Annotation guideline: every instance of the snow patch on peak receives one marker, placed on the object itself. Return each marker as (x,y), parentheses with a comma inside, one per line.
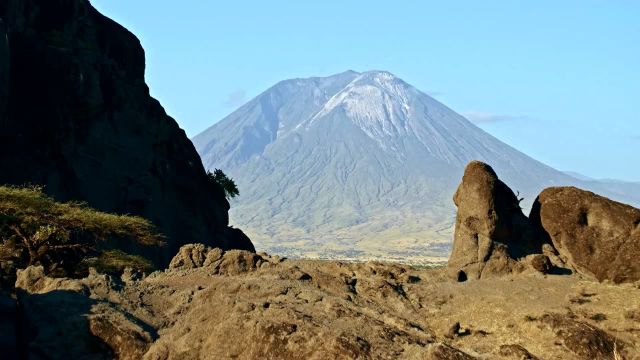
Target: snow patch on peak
(376,101)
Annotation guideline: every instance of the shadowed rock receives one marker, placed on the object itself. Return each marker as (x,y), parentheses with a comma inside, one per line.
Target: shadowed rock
(516,352)
(446,352)
(592,234)
(8,315)
(76,117)
(62,319)
(583,339)
(491,230)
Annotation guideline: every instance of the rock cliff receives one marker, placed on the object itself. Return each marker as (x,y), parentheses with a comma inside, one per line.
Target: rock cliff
(76,117)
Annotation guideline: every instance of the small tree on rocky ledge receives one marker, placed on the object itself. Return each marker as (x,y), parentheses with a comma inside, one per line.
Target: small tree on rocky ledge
(226,183)
(36,230)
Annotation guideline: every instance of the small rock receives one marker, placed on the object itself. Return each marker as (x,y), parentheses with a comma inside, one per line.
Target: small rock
(632,315)
(131,275)
(541,263)
(453,331)
(516,352)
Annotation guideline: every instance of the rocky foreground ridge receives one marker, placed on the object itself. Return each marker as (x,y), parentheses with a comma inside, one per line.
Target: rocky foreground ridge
(568,231)
(76,117)
(545,287)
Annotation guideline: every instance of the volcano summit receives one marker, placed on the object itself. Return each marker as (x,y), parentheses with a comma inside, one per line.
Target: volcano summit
(358,165)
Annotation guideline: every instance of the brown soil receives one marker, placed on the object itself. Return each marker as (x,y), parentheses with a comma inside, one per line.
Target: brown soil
(297,309)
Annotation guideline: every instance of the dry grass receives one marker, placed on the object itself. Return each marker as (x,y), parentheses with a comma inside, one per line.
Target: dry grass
(28,205)
(37,230)
(115,261)
(616,354)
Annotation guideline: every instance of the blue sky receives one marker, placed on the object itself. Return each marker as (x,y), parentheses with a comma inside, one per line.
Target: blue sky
(558,80)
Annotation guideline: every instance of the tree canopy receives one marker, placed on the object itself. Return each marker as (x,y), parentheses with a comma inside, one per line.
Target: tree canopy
(36,230)
(221,179)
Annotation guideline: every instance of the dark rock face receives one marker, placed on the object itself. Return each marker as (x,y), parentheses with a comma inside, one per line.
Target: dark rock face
(91,329)
(541,263)
(585,340)
(8,315)
(491,230)
(76,116)
(592,234)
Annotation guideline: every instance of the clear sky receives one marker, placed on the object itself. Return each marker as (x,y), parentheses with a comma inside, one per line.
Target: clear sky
(558,80)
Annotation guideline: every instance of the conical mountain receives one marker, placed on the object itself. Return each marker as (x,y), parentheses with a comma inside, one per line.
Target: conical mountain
(355,165)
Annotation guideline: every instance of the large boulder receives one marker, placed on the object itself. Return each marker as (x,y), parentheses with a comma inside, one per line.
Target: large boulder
(592,234)
(76,117)
(491,232)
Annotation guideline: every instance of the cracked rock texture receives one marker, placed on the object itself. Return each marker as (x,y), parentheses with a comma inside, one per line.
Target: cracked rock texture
(595,236)
(236,304)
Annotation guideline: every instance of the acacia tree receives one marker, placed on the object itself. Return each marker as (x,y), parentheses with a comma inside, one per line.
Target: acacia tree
(36,230)
(221,179)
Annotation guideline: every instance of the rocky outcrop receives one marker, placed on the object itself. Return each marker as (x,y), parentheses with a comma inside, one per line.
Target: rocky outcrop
(236,304)
(190,256)
(77,318)
(568,230)
(76,117)
(491,231)
(233,262)
(593,235)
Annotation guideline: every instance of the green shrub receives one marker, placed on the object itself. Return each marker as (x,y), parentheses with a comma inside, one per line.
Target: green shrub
(36,230)
(219,178)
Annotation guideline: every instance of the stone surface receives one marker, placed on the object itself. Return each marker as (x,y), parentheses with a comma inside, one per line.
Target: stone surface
(595,236)
(190,256)
(126,339)
(516,352)
(491,231)
(541,263)
(302,309)
(446,352)
(77,318)
(217,261)
(76,117)
(583,339)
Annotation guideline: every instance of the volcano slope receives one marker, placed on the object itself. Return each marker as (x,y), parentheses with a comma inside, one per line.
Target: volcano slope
(530,290)
(359,166)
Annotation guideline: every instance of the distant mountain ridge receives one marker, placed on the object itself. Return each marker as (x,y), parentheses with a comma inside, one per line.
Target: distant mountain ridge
(357,165)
